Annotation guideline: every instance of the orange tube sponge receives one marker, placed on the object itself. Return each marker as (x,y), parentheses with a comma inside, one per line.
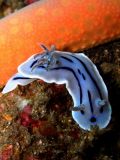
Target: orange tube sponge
(72,24)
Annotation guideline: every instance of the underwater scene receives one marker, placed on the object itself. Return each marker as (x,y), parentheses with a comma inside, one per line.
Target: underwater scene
(59,80)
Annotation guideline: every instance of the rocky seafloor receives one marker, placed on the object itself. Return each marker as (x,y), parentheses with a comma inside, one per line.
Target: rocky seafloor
(36,121)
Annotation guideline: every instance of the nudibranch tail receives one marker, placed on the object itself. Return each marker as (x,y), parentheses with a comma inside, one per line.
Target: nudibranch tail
(82,79)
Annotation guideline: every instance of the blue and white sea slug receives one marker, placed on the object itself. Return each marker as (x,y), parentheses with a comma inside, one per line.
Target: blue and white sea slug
(82,79)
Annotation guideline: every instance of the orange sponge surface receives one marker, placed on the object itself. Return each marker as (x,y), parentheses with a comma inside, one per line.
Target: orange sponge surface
(71,24)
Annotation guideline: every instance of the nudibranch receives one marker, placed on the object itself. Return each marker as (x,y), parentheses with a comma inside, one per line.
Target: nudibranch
(82,79)
(71,24)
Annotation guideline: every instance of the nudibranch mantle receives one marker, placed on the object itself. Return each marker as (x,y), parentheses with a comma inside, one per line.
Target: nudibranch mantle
(82,79)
